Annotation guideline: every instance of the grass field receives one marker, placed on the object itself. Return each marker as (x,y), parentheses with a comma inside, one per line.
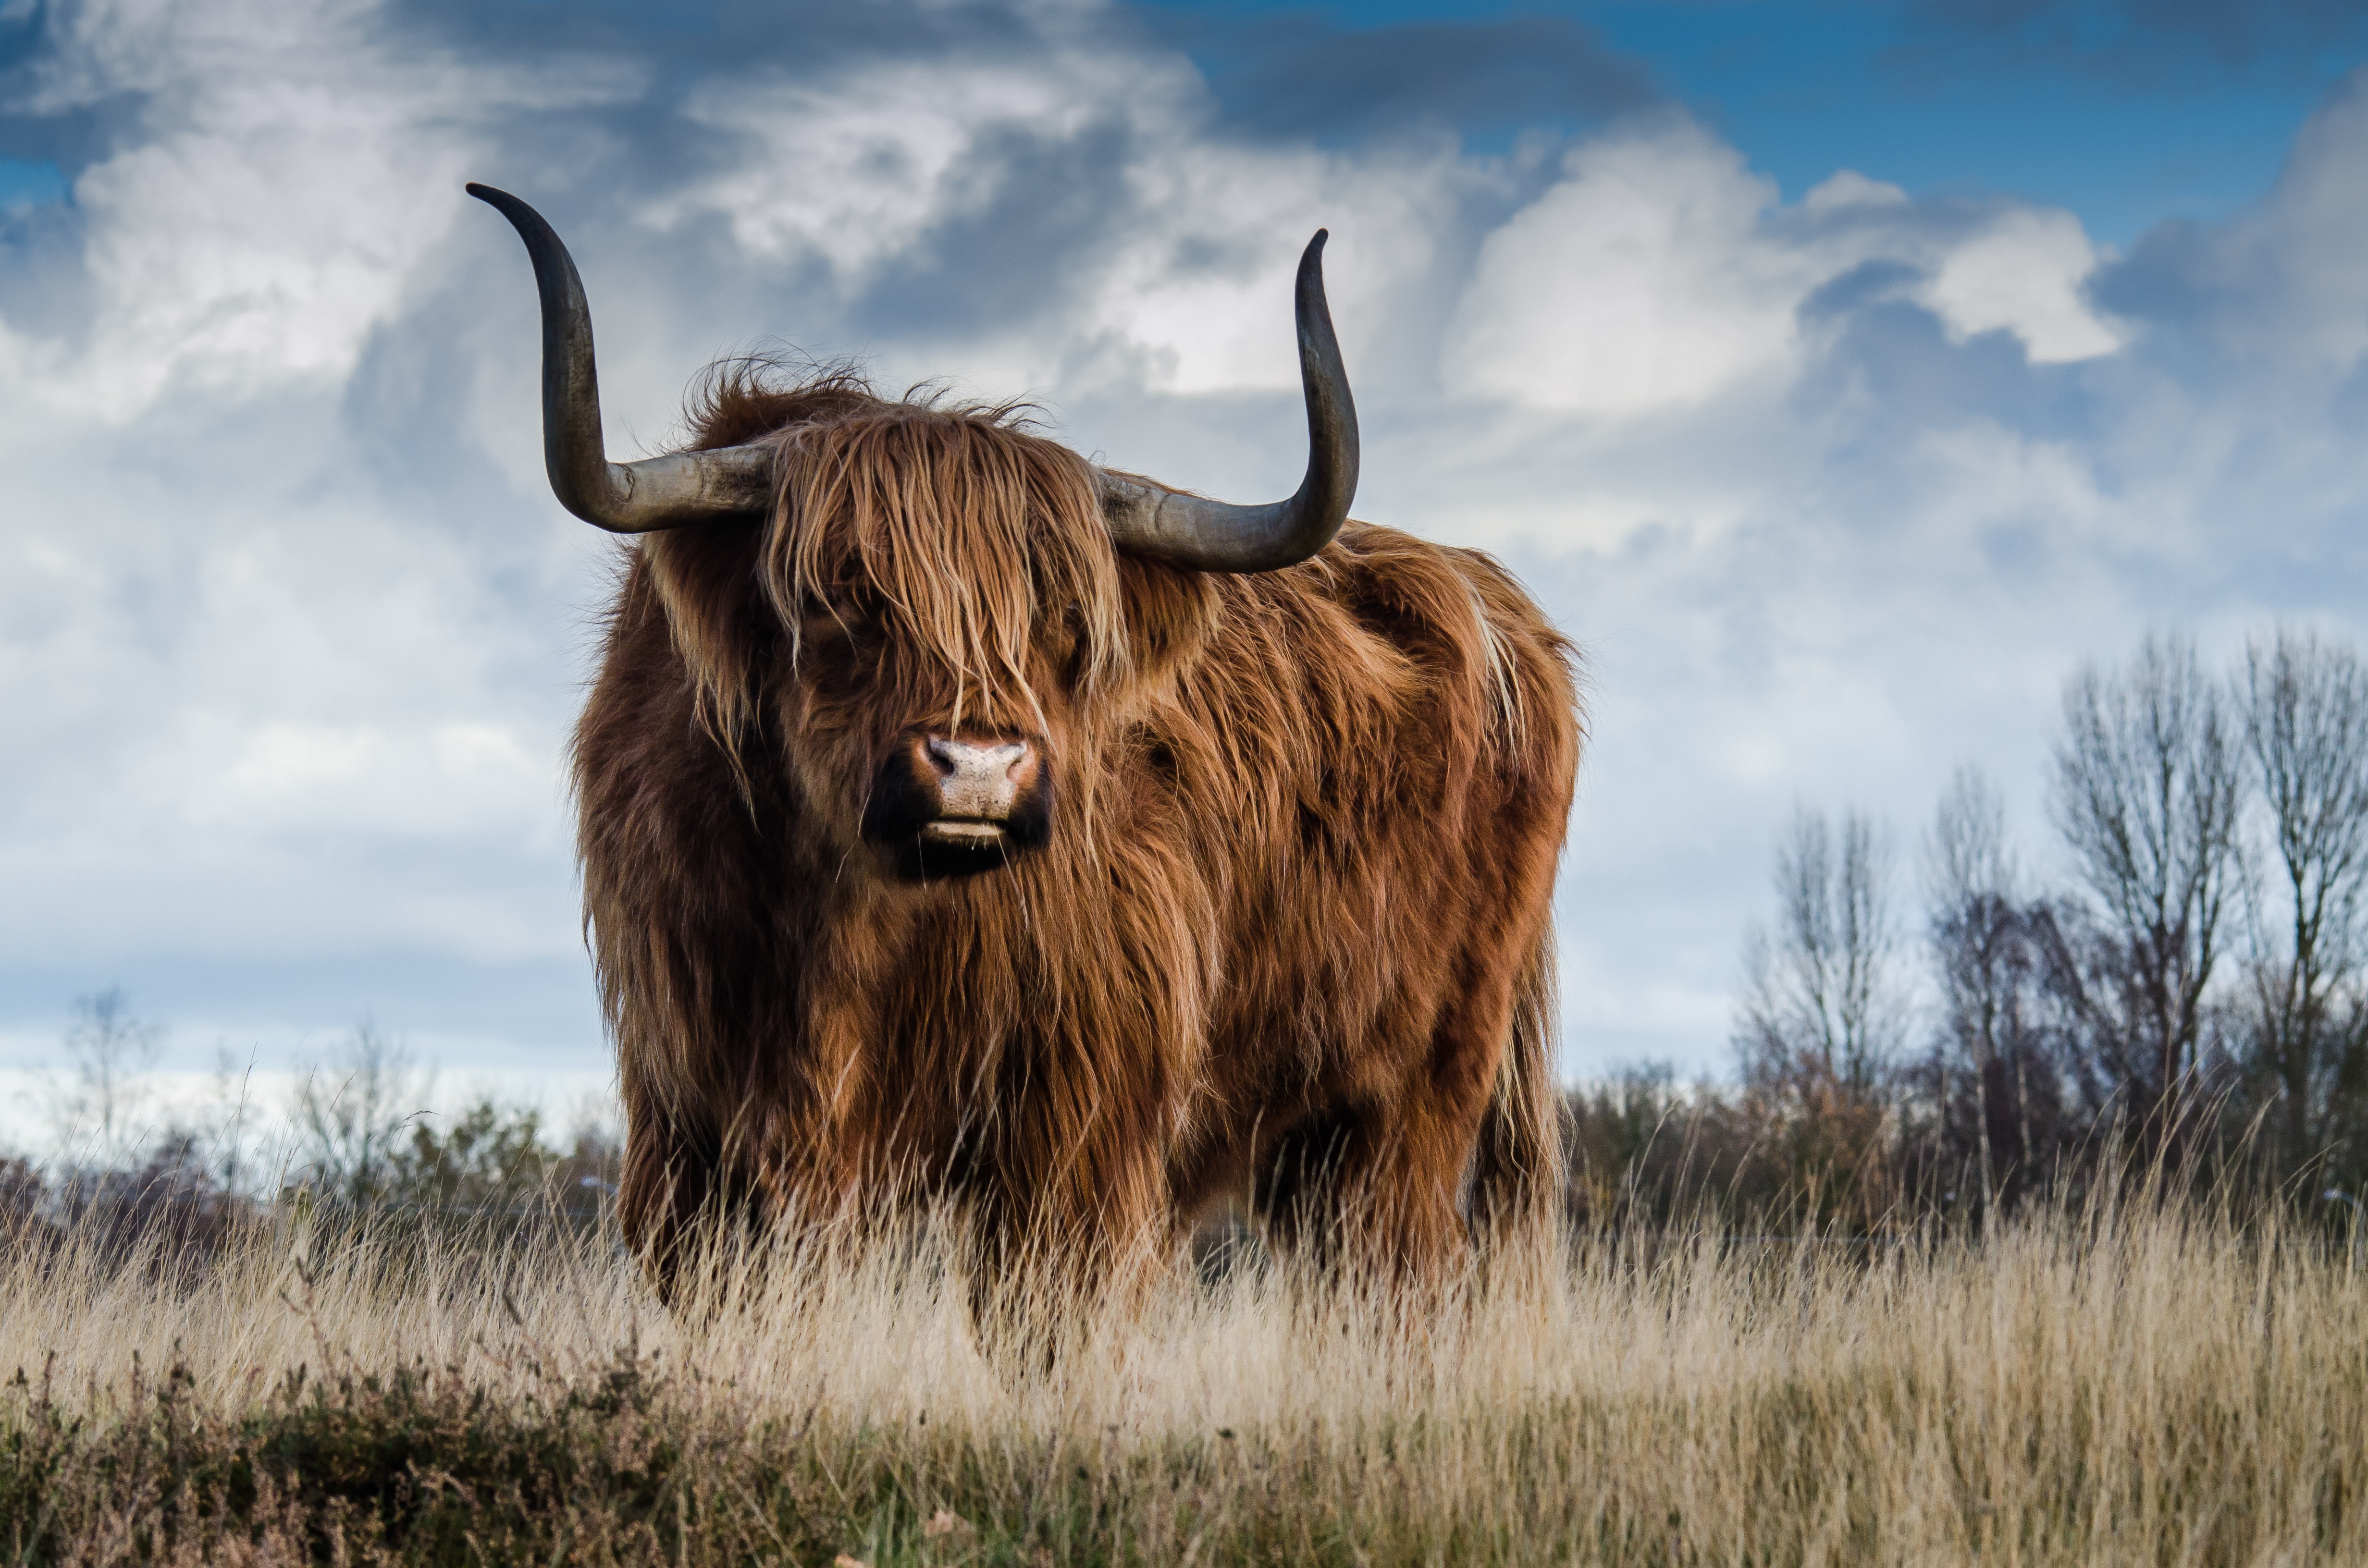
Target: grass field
(2142,1386)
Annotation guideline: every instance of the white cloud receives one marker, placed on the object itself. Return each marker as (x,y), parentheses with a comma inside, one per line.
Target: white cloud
(1845,189)
(1637,283)
(859,168)
(291,170)
(2023,274)
(1660,274)
(1203,281)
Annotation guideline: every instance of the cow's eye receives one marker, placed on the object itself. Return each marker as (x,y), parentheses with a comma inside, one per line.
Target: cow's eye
(833,617)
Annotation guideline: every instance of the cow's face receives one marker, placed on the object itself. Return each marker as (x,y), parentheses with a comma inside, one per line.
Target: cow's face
(923,770)
(949,640)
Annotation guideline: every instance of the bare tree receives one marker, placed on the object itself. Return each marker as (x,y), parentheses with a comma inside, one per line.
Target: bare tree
(99,1111)
(352,1114)
(2306,719)
(1993,1075)
(1822,1003)
(1966,852)
(2147,782)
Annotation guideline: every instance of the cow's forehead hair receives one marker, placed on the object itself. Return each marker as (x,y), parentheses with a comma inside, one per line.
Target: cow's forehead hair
(967,530)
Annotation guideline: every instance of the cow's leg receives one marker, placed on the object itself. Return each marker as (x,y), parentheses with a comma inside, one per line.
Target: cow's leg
(1057,1248)
(1378,1180)
(691,1198)
(1434,1129)
(1298,1195)
(1366,1185)
(666,1193)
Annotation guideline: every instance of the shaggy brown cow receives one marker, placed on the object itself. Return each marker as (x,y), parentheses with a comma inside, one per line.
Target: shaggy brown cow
(959,819)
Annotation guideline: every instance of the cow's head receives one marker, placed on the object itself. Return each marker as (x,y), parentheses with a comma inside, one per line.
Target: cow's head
(945,608)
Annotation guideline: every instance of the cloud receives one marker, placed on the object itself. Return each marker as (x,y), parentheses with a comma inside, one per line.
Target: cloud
(1636,284)
(1300,76)
(859,170)
(280,175)
(2025,274)
(1660,274)
(2277,287)
(1832,490)
(2137,41)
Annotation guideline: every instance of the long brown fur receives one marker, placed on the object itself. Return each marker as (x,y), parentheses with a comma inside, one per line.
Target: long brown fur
(1290,938)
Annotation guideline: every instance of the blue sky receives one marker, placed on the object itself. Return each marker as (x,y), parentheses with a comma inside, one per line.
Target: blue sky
(1840,376)
(2125,114)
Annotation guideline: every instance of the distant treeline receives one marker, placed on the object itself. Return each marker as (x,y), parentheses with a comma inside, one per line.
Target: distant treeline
(354,1138)
(2183,989)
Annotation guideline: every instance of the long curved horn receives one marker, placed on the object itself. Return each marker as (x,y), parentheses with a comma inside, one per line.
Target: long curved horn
(1157,524)
(624,498)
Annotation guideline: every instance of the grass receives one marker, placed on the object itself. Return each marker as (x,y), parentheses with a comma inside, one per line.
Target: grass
(2149,1384)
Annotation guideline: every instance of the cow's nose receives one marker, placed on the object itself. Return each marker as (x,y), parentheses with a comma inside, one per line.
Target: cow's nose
(979,782)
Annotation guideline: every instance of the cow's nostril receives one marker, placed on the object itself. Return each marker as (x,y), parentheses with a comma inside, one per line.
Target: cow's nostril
(973,805)
(979,782)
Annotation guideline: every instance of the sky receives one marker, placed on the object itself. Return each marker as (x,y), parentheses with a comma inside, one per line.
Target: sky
(1839,375)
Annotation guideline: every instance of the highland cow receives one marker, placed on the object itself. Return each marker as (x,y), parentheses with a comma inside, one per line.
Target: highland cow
(961,820)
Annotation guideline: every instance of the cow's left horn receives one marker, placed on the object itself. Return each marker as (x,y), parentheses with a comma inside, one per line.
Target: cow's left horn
(1155,523)
(624,498)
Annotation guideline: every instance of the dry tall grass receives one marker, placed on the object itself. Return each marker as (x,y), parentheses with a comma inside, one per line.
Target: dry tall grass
(2142,1386)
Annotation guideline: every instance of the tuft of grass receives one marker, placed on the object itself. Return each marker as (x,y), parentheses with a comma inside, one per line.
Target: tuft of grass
(2147,1383)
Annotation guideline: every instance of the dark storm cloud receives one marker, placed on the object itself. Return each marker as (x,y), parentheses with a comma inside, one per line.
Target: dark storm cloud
(2165,278)
(640,144)
(645,142)
(1001,262)
(1011,262)
(62,138)
(1899,357)
(1301,76)
(42,273)
(2153,42)
(685,42)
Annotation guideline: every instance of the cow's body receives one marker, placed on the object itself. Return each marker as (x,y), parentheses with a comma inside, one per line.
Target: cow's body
(1289,936)
(962,821)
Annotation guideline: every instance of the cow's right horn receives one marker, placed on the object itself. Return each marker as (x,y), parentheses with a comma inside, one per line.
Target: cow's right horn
(626,498)
(1158,524)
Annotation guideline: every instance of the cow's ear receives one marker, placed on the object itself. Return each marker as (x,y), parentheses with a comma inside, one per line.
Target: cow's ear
(1170,615)
(715,607)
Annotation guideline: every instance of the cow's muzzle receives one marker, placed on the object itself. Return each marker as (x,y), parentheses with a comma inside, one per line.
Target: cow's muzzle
(953,806)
